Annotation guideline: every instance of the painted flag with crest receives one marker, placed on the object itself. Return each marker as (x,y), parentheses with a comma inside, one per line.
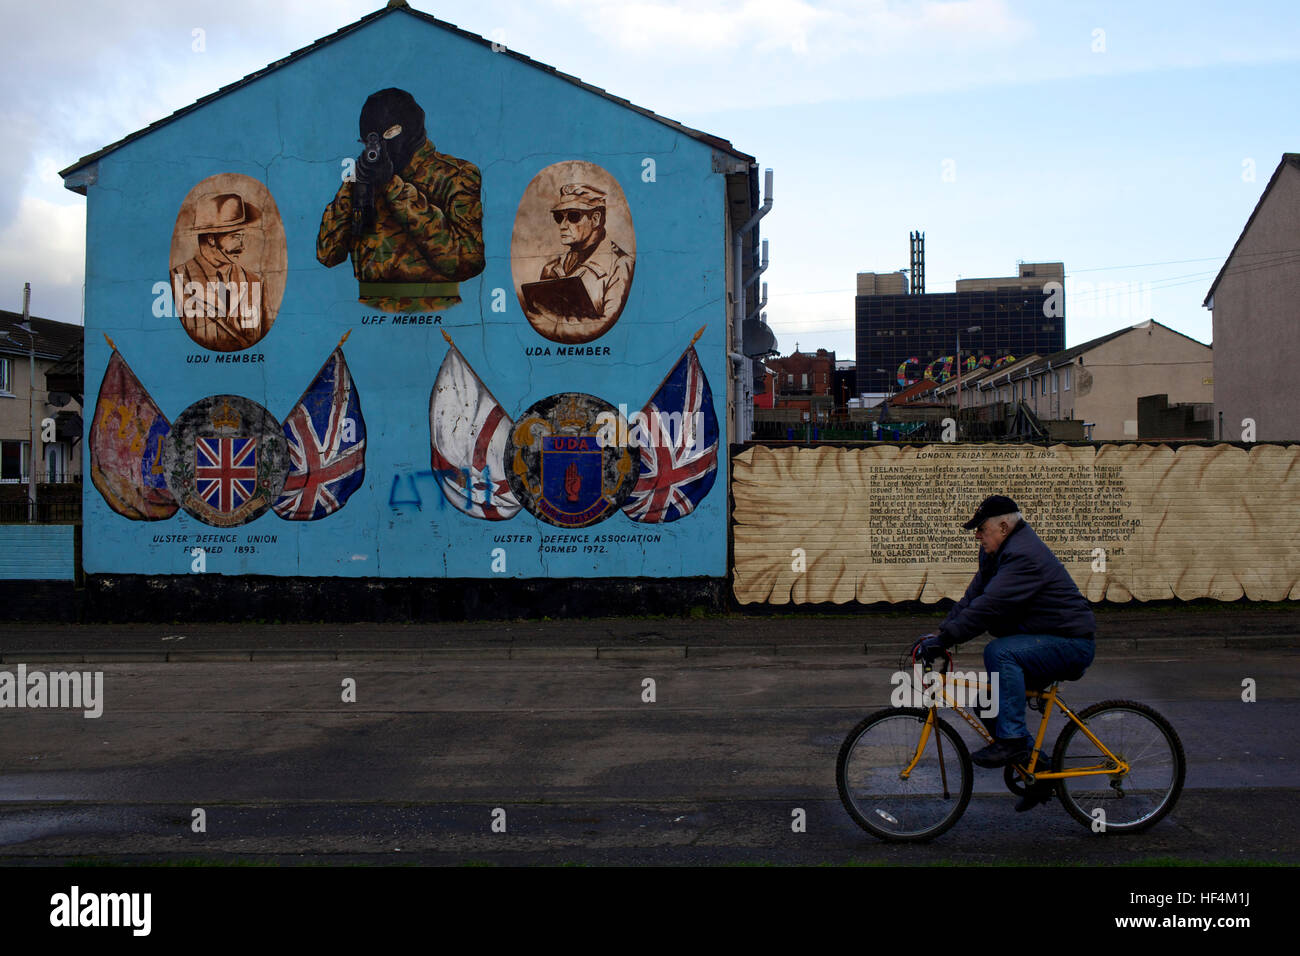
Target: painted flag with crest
(326,438)
(126,443)
(468,429)
(679,445)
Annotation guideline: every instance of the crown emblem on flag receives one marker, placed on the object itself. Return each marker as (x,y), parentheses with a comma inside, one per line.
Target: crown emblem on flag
(225,418)
(569,415)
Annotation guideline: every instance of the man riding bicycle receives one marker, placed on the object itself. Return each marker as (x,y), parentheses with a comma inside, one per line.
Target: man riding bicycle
(1043,626)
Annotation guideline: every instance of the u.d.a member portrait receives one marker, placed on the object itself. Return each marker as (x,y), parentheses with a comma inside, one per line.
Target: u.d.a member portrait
(573,252)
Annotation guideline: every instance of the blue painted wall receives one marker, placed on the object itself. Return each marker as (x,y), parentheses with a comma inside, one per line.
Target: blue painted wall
(36,552)
(291,130)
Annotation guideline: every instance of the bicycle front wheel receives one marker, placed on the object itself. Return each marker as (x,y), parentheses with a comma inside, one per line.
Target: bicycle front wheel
(887,799)
(1143,739)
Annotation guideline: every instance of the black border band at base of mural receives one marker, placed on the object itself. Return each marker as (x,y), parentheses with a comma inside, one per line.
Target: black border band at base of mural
(161,599)
(132,598)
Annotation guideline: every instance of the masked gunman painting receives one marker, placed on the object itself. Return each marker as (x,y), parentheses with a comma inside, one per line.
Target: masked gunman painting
(228,262)
(408,216)
(573,252)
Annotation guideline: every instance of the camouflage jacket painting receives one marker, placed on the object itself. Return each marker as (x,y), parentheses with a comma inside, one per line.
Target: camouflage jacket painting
(427,235)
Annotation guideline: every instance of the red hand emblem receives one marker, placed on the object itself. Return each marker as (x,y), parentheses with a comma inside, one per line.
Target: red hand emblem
(572,481)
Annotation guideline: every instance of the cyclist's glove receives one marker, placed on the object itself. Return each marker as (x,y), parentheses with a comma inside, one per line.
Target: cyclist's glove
(928,647)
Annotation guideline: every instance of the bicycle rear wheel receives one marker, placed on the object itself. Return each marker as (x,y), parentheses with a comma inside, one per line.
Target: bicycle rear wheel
(869,771)
(1142,738)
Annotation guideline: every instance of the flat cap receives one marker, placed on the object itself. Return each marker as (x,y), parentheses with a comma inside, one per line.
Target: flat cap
(579,196)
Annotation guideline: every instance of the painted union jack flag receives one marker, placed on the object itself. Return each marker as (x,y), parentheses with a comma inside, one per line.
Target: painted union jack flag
(678,435)
(327,446)
(225,472)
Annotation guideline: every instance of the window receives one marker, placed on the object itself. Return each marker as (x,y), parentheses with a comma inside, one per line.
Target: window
(1067,378)
(6,375)
(1033,388)
(1056,381)
(805,380)
(13,461)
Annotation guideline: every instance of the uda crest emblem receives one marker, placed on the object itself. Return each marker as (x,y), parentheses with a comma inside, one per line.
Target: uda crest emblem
(561,465)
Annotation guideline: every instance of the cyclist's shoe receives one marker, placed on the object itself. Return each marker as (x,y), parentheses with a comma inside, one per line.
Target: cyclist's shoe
(1002,752)
(1036,794)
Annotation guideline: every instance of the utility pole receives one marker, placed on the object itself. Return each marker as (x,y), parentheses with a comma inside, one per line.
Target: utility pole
(31,401)
(972,329)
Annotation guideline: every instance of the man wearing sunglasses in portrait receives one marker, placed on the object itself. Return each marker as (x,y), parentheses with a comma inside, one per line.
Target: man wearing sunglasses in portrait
(605,270)
(1044,627)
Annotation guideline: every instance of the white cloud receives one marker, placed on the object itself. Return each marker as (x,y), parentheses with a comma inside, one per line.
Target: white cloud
(706,26)
(678,29)
(45,245)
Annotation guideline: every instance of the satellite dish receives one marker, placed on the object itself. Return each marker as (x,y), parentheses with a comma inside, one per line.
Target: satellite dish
(758,339)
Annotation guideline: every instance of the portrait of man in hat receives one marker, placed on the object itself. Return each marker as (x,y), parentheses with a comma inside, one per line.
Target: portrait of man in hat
(603,268)
(410,219)
(221,303)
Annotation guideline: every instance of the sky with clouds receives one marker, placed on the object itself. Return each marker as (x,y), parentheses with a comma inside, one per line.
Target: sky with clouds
(1129,140)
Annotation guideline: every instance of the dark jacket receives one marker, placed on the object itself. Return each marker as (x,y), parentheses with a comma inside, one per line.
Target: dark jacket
(1022,589)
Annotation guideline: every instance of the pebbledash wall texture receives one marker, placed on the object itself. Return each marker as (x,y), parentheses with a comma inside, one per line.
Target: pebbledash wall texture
(354,317)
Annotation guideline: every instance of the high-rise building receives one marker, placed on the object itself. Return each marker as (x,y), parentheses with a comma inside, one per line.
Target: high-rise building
(903,337)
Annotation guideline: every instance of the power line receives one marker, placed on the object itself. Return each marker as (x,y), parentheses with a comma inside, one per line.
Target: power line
(1134,265)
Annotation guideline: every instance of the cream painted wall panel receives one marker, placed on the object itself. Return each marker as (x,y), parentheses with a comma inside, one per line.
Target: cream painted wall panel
(884,523)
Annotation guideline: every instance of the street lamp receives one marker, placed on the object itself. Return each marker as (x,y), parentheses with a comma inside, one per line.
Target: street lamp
(971,328)
(26,326)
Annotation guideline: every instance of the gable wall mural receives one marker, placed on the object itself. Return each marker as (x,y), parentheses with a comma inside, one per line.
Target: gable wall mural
(361,317)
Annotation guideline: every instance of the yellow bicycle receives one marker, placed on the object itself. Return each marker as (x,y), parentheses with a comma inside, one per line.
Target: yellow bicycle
(904,773)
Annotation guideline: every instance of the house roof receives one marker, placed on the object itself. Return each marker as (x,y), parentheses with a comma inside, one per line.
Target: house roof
(396,7)
(1288,159)
(968,379)
(53,339)
(68,373)
(1057,359)
(913,391)
(1008,371)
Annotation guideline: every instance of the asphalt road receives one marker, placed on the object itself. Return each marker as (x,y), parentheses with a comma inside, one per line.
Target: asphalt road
(563,748)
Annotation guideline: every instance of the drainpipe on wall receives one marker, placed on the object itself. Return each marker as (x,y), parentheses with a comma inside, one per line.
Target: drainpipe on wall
(744,427)
(1047,380)
(760,270)
(757,310)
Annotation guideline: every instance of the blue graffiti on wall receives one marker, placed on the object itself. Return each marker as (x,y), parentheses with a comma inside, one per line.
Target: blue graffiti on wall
(410,479)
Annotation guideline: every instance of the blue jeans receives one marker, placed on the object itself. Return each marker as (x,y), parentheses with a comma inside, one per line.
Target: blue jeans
(1033,659)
